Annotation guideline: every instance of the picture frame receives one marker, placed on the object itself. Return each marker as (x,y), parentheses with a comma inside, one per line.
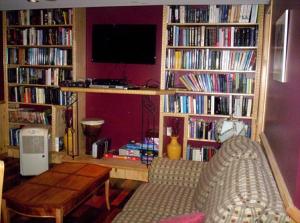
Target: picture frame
(280,47)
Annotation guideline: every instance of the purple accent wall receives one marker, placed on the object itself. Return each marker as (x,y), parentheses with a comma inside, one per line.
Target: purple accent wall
(1,62)
(282,126)
(122,113)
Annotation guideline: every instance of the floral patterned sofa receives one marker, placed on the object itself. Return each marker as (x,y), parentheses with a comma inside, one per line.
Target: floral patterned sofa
(236,185)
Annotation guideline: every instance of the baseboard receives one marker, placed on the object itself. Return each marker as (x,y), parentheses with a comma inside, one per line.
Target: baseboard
(292,211)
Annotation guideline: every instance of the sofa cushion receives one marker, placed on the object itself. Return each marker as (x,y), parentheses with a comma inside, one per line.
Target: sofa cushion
(172,200)
(195,217)
(138,216)
(240,194)
(236,148)
(175,172)
(274,215)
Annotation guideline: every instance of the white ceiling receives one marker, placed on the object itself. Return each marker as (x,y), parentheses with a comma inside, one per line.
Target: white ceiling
(24,4)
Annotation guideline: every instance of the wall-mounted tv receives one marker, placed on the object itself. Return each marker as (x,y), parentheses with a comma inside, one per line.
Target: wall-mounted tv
(124,43)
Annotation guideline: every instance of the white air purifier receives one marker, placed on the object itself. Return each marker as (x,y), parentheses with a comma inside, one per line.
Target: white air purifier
(34,151)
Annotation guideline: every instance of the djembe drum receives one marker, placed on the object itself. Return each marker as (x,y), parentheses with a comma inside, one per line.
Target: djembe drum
(91,129)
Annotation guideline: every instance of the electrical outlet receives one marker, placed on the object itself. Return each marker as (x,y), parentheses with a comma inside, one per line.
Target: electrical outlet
(169,131)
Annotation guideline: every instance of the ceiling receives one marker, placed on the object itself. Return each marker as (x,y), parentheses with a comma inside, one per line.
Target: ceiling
(24,4)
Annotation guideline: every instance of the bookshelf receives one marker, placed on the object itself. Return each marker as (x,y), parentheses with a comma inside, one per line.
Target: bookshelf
(40,50)
(211,57)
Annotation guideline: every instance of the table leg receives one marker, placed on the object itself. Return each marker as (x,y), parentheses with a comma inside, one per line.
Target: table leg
(107,194)
(5,212)
(59,216)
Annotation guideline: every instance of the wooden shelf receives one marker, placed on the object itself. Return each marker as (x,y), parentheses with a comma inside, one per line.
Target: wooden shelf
(201,140)
(30,124)
(214,47)
(168,114)
(23,103)
(213,24)
(211,71)
(213,93)
(142,91)
(39,66)
(39,26)
(32,85)
(125,169)
(39,46)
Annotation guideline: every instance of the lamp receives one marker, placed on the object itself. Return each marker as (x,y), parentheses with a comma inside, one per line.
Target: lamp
(227,128)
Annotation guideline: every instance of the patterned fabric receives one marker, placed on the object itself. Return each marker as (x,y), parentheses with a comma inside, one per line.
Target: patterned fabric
(239,196)
(175,172)
(271,215)
(195,217)
(138,216)
(245,193)
(151,197)
(236,148)
(237,185)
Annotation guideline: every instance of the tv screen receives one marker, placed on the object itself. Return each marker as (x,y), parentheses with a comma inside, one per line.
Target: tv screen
(124,43)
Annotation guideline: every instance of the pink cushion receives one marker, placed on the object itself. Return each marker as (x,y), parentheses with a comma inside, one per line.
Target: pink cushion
(196,217)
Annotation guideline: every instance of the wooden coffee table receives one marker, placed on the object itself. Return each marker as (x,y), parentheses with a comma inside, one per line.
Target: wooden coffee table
(56,192)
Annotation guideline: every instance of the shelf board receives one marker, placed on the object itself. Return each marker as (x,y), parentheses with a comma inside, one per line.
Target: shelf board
(32,85)
(30,124)
(39,66)
(168,114)
(13,151)
(111,162)
(39,26)
(39,46)
(214,47)
(210,71)
(142,91)
(213,93)
(201,140)
(23,103)
(213,24)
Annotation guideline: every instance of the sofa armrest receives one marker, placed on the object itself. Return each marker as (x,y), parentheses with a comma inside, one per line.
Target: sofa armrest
(175,172)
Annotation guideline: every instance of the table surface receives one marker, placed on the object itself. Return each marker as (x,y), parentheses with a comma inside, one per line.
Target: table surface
(62,187)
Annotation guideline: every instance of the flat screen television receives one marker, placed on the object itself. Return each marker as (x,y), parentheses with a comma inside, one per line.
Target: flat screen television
(124,43)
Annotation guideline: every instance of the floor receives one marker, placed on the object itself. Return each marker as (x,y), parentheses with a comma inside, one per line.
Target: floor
(92,211)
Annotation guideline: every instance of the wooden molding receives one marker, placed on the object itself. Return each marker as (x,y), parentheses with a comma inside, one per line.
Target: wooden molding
(292,211)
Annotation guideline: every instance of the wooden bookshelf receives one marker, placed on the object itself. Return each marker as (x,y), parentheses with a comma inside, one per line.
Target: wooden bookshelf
(202,48)
(30,49)
(142,91)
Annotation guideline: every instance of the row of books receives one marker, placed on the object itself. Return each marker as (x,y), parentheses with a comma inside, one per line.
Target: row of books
(201,129)
(213,14)
(39,95)
(204,153)
(40,17)
(208,105)
(49,76)
(29,116)
(208,59)
(212,36)
(14,136)
(39,56)
(226,83)
(33,36)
